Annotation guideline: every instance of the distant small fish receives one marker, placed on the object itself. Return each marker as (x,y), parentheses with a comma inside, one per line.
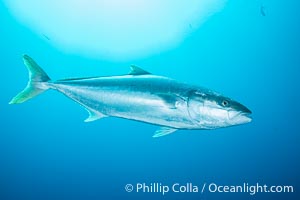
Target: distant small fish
(45,36)
(263,10)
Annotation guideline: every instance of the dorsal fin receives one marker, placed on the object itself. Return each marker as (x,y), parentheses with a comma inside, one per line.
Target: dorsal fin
(134,70)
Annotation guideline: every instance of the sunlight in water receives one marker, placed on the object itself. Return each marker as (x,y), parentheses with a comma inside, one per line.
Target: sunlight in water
(118,29)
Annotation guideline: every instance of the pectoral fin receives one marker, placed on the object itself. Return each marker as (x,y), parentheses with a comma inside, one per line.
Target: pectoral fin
(163,131)
(171,100)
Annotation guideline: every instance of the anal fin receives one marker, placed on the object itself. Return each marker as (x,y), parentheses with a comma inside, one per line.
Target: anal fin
(163,131)
(94,115)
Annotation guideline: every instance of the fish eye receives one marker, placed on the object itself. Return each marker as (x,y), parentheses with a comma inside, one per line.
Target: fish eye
(225,103)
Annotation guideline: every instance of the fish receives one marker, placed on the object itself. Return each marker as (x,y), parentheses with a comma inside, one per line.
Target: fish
(141,96)
(46,37)
(263,10)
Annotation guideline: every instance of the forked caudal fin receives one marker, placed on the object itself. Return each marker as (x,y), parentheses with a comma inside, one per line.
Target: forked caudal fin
(35,85)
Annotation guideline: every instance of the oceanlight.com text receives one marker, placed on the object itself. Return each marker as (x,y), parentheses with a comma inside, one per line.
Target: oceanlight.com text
(251,189)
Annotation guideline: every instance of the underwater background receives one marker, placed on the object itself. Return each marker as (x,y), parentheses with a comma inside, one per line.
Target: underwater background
(249,50)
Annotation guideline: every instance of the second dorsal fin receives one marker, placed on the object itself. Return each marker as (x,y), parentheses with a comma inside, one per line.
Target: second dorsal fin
(134,70)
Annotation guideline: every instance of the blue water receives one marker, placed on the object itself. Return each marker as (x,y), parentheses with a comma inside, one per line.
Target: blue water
(48,152)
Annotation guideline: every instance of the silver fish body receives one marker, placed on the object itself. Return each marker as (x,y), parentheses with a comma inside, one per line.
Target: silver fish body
(148,98)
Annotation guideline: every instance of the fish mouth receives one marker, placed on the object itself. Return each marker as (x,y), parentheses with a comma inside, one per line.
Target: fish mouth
(240,117)
(244,117)
(246,111)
